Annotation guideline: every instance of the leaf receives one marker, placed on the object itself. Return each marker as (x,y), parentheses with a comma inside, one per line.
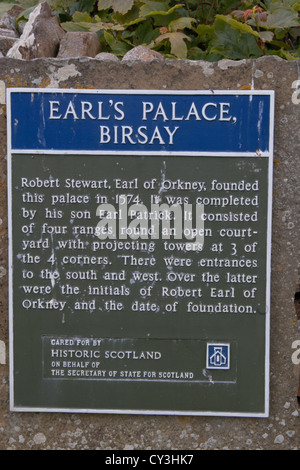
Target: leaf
(178,46)
(181,23)
(237,25)
(80,16)
(145,34)
(158,9)
(282,18)
(86,5)
(205,32)
(71,26)
(195,53)
(296,6)
(279,44)
(266,36)
(150,7)
(130,18)
(232,42)
(117,47)
(288,55)
(275,4)
(295,32)
(59,5)
(121,6)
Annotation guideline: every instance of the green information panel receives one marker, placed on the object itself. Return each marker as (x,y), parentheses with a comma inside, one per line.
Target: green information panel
(140,251)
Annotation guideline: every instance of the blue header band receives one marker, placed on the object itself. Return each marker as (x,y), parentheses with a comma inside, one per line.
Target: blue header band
(139,121)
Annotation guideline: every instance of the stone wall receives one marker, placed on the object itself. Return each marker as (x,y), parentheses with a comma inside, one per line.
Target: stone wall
(26,431)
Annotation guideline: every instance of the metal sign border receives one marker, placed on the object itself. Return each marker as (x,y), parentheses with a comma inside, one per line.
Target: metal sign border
(269,155)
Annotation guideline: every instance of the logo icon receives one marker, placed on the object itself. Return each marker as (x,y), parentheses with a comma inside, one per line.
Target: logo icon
(218,356)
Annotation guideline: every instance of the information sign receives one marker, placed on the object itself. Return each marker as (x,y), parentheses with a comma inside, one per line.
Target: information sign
(140,240)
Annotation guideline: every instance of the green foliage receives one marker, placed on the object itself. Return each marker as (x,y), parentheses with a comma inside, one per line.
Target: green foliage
(192,29)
